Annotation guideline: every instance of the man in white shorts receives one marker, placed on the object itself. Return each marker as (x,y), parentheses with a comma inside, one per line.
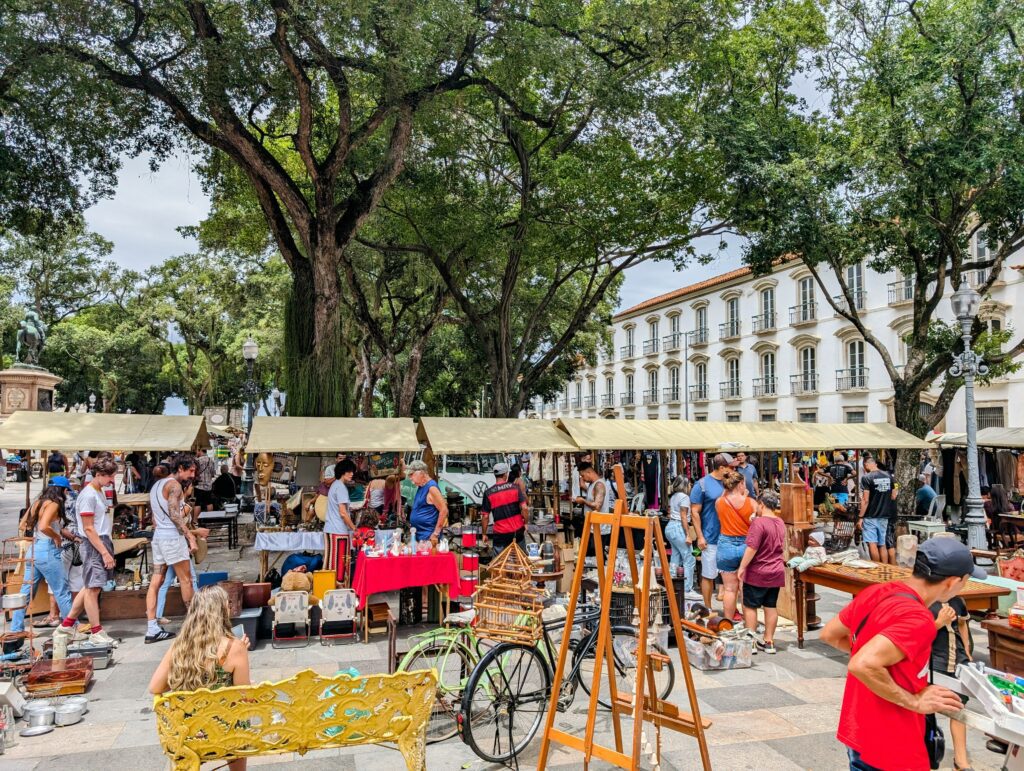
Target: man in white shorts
(173,542)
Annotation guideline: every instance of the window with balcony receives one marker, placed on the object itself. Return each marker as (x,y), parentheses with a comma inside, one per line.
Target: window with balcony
(699,336)
(627,396)
(671,394)
(608,399)
(674,339)
(731,328)
(855,283)
(699,389)
(855,376)
(651,343)
(578,401)
(766,385)
(628,351)
(591,400)
(651,394)
(731,386)
(901,291)
(806,381)
(806,311)
(764,321)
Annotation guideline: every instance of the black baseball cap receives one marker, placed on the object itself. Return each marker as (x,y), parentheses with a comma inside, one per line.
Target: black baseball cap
(948,557)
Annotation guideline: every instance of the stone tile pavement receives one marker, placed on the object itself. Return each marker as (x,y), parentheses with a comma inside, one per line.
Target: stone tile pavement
(780,714)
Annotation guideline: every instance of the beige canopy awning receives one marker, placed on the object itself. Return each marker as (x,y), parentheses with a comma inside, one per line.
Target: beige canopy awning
(329,435)
(1000,438)
(26,430)
(454,436)
(753,437)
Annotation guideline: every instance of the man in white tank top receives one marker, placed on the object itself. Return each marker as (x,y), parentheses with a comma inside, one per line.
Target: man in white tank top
(173,542)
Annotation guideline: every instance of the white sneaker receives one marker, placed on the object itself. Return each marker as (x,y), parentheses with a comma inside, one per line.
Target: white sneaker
(70,632)
(101,638)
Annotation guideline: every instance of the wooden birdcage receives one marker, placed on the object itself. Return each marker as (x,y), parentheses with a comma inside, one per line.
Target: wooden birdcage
(508,606)
(511,565)
(508,611)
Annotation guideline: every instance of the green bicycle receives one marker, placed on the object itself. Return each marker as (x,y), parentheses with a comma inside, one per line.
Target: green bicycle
(453,650)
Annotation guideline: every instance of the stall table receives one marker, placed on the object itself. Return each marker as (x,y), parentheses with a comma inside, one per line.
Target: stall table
(388,574)
(976,595)
(139,502)
(284,542)
(1005,645)
(216,520)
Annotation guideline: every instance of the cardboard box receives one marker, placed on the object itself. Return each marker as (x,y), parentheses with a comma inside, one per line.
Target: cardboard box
(567,558)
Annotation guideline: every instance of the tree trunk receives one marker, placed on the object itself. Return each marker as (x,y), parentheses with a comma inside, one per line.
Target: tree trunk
(408,380)
(907,409)
(318,373)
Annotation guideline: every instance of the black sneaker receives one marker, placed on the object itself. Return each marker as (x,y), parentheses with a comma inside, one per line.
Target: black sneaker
(766,646)
(160,636)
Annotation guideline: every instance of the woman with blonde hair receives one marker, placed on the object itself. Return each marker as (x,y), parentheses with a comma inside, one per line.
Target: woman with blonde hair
(205,654)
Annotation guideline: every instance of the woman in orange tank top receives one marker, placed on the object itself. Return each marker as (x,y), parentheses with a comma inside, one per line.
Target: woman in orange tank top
(735,511)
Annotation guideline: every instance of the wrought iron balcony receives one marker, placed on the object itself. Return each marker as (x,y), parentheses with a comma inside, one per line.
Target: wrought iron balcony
(589,401)
(766,387)
(608,400)
(730,330)
(804,384)
(901,291)
(731,389)
(763,322)
(699,392)
(627,352)
(650,346)
(698,336)
(626,399)
(670,395)
(859,301)
(855,379)
(651,396)
(563,404)
(672,342)
(805,313)
(576,403)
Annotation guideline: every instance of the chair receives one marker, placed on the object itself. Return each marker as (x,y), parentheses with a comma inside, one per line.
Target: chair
(932,522)
(936,508)
(338,615)
(291,608)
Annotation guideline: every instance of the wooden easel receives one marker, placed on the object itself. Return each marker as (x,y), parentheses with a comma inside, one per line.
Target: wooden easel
(644,705)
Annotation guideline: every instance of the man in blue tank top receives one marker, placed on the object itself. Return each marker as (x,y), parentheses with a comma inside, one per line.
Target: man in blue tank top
(429,509)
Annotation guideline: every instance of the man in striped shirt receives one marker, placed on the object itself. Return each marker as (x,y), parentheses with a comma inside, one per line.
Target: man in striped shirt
(505,503)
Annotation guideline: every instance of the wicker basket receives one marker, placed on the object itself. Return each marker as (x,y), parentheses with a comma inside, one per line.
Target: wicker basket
(508,611)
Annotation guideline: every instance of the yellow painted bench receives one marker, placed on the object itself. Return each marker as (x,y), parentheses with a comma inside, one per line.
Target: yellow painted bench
(303,713)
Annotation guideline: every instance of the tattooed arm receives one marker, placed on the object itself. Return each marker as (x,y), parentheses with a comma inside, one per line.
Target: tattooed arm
(175,496)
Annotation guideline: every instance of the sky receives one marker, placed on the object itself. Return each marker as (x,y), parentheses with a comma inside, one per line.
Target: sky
(143,216)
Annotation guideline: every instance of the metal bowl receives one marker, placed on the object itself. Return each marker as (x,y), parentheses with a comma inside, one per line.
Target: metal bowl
(15,601)
(82,701)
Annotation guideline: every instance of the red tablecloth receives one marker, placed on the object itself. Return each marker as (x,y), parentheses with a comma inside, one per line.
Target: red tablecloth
(386,574)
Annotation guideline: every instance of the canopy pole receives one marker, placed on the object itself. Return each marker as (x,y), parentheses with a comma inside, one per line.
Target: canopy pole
(28,478)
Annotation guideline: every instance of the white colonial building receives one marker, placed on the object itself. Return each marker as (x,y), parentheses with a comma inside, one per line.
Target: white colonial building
(740,348)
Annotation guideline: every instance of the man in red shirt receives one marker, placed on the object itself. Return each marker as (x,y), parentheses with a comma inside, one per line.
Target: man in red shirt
(888,631)
(506,504)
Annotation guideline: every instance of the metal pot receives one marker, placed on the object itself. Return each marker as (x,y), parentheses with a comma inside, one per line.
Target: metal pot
(39,715)
(15,601)
(68,714)
(82,701)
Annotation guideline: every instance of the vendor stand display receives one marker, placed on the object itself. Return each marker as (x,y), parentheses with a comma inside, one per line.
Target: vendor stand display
(977,595)
(284,542)
(388,573)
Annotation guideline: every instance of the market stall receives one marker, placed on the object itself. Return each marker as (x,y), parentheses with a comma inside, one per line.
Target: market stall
(311,439)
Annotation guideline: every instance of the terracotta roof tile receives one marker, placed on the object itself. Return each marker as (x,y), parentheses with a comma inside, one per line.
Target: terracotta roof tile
(683,292)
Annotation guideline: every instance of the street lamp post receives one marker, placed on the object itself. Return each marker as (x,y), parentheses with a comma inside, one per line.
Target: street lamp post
(965,302)
(250,350)
(92,402)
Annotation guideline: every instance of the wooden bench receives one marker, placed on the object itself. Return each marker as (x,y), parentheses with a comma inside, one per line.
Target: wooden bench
(305,712)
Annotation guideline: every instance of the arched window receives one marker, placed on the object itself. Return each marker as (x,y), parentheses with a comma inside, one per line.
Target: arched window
(673,383)
(652,386)
(578,401)
(806,309)
(767,308)
(731,387)
(700,381)
(808,369)
(627,398)
(855,362)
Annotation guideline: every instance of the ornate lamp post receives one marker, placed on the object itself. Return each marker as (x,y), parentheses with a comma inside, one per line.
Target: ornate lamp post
(250,350)
(92,402)
(965,302)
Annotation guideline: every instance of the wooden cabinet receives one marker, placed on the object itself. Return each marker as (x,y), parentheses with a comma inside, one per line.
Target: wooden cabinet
(1005,645)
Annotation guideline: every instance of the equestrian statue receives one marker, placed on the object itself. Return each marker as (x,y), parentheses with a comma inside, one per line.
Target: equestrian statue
(31,339)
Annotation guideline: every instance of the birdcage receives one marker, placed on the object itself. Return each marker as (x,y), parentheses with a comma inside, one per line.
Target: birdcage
(508,606)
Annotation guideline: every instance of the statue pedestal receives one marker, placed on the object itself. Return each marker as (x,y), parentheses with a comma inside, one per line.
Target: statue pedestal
(24,387)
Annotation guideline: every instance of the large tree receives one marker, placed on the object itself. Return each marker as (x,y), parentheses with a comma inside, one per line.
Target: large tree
(313,102)
(531,213)
(916,153)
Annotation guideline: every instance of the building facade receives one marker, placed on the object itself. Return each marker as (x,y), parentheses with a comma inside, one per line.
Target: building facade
(744,348)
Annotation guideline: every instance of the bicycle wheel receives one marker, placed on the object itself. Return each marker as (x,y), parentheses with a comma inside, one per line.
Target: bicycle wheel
(624,648)
(453,662)
(505,701)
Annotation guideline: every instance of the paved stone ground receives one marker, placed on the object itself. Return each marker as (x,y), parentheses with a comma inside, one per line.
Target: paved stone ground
(780,714)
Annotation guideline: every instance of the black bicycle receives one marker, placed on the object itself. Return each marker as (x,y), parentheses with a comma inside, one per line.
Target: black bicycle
(508,692)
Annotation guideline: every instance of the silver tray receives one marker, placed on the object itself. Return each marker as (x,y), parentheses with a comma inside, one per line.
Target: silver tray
(38,730)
